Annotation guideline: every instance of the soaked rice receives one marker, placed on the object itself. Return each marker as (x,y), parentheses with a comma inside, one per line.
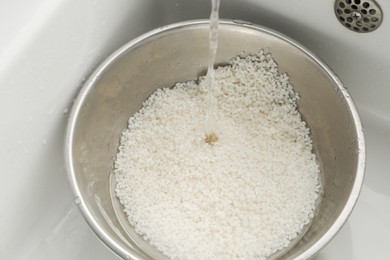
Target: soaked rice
(243,196)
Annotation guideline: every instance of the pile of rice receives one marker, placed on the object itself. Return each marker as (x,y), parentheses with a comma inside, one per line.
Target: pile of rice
(246,195)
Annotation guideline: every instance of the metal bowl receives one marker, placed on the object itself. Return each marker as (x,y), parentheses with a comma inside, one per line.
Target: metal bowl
(177,53)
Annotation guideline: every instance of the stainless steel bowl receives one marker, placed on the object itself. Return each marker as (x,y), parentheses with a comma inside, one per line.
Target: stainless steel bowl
(177,53)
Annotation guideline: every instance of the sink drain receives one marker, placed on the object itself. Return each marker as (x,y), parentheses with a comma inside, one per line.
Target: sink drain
(359,15)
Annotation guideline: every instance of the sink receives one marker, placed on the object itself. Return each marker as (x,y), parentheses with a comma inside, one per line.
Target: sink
(48,49)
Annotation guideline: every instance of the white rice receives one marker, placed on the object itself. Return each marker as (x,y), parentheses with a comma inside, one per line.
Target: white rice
(245,196)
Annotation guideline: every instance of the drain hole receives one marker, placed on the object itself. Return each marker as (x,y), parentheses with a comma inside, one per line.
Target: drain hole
(358,15)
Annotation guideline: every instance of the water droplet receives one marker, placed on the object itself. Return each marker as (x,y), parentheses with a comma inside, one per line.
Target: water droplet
(77,200)
(51,111)
(44,142)
(65,110)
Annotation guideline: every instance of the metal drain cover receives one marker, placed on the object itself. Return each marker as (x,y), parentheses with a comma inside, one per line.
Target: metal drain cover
(359,15)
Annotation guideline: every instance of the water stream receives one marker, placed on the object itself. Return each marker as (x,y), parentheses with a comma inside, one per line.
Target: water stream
(211,101)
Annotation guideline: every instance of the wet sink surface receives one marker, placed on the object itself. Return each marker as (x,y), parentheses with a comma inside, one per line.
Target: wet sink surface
(49,48)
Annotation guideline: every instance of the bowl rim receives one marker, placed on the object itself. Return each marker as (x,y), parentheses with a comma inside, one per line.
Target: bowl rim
(93,78)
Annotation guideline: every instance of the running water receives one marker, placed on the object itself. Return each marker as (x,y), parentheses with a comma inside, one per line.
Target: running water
(211,102)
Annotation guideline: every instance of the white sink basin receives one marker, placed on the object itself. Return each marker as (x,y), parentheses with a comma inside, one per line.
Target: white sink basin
(48,48)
